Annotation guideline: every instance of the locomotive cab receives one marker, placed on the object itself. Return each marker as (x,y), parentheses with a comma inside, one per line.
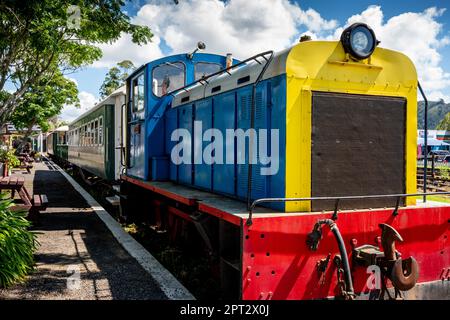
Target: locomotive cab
(149,94)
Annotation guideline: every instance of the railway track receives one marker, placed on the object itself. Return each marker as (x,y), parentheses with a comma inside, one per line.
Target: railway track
(437,181)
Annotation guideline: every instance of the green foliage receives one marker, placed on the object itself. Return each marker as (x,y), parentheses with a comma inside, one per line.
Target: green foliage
(39,37)
(44,100)
(444,171)
(17,245)
(116,77)
(437,110)
(444,124)
(9,158)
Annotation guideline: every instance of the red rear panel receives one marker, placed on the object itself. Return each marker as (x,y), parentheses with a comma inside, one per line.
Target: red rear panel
(277,264)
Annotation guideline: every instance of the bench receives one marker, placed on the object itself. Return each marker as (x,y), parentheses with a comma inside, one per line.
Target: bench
(25,162)
(40,202)
(31,204)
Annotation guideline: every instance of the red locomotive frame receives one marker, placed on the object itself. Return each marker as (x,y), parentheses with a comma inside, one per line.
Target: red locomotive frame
(275,262)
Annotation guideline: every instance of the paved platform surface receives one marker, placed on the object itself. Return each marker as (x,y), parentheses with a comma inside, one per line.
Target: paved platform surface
(72,237)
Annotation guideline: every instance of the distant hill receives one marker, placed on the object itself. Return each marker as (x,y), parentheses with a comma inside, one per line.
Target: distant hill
(436,112)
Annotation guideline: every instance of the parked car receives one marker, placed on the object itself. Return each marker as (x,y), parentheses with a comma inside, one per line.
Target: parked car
(438,155)
(445,159)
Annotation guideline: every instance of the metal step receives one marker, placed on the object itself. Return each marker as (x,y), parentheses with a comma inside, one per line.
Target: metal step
(114,200)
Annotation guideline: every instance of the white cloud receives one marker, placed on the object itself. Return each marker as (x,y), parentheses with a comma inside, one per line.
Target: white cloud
(315,23)
(418,35)
(71,112)
(242,27)
(246,27)
(125,49)
(72,79)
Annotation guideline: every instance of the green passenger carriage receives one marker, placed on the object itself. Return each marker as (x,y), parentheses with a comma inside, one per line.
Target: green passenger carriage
(91,141)
(57,143)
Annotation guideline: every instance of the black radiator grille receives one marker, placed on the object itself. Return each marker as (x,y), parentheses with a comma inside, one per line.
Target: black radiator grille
(358,148)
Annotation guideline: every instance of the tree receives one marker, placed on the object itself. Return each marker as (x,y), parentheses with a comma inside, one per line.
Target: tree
(444,124)
(116,77)
(43,101)
(38,38)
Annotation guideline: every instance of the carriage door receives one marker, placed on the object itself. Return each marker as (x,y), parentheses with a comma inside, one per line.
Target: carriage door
(137,127)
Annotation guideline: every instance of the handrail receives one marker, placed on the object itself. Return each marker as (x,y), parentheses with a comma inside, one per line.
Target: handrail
(425,140)
(204,81)
(337,199)
(122,148)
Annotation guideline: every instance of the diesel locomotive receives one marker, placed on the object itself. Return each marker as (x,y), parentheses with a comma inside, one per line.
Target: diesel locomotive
(295,169)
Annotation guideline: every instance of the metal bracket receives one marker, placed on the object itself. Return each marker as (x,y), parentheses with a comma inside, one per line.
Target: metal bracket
(199,220)
(334,217)
(397,204)
(313,238)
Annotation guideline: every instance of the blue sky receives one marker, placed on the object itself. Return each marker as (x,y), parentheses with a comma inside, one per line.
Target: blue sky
(220,25)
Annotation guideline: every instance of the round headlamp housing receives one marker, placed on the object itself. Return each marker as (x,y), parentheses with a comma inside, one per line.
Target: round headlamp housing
(359,41)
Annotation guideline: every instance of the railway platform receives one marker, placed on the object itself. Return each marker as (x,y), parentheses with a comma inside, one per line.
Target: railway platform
(83,252)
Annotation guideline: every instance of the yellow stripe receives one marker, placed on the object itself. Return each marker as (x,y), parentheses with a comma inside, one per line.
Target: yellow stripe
(298,145)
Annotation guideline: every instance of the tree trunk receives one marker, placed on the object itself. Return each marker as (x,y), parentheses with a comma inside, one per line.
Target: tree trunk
(7,108)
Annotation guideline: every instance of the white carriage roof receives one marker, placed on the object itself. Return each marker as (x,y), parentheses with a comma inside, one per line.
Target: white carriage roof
(62,128)
(108,100)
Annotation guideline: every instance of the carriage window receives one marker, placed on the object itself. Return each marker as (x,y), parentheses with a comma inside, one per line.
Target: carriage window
(168,77)
(100,131)
(88,134)
(85,135)
(91,140)
(96,132)
(138,93)
(203,69)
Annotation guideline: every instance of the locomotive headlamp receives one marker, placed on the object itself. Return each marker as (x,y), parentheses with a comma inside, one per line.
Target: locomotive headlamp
(359,41)
(200,46)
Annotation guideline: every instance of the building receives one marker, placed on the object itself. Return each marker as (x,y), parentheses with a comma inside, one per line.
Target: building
(436,140)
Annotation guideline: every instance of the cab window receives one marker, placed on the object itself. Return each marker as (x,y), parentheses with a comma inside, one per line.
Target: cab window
(168,77)
(138,93)
(203,69)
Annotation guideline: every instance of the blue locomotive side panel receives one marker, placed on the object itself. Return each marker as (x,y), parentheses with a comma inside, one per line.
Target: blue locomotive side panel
(185,122)
(171,124)
(259,182)
(158,166)
(244,98)
(202,171)
(231,111)
(277,119)
(224,118)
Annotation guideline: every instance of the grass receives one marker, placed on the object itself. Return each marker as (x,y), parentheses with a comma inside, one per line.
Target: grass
(436,198)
